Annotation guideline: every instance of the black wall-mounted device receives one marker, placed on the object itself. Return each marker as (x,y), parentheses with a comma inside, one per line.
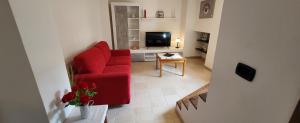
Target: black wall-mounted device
(245,71)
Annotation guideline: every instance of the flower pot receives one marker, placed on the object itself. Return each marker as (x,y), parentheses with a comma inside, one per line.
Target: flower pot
(84,110)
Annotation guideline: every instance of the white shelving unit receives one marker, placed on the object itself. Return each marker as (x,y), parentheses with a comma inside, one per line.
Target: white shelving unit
(126,25)
(159,19)
(149,54)
(203,42)
(126,21)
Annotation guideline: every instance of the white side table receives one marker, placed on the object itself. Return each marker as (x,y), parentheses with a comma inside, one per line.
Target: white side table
(97,115)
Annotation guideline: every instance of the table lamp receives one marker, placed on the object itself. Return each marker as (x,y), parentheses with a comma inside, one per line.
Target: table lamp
(177,41)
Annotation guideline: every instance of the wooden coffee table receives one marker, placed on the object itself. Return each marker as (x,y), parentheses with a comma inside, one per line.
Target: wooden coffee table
(176,58)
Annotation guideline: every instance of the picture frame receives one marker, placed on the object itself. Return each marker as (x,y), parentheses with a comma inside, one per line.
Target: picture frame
(159,14)
(207,8)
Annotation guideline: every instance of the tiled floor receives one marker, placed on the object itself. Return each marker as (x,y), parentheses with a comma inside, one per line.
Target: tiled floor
(154,97)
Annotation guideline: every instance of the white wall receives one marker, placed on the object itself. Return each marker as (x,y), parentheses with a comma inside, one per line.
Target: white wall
(265,37)
(168,6)
(37,28)
(169,25)
(80,24)
(210,25)
(190,35)
(20,100)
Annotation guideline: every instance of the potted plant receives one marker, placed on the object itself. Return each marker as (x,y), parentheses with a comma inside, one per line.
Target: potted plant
(81,95)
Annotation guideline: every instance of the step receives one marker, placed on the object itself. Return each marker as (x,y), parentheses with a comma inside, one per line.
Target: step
(199,91)
(186,103)
(203,96)
(194,101)
(204,89)
(179,103)
(193,98)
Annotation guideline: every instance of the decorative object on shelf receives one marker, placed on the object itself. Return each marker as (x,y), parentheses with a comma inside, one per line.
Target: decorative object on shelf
(203,42)
(134,48)
(134,38)
(207,8)
(160,14)
(202,49)
(145,13)
(133,16)
(177,41)
(204,37)
(80,95)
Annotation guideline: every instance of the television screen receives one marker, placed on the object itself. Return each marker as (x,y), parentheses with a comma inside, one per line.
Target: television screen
(158,39)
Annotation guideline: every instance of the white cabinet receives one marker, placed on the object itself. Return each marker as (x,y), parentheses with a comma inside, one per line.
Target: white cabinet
(149,54)
(126,25)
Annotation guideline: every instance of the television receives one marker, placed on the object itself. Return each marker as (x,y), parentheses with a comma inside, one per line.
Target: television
(158,39)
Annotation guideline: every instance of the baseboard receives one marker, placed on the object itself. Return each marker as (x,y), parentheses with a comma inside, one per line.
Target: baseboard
(207,68)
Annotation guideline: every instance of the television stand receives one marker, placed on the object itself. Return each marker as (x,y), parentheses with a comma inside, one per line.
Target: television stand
(149,53)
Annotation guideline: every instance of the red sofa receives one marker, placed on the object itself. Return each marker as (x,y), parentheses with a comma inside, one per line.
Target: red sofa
(109,69)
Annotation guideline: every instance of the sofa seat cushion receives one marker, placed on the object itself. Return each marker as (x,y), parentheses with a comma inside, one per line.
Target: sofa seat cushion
(119,60)
(89,61)
(103,46)
(117,69)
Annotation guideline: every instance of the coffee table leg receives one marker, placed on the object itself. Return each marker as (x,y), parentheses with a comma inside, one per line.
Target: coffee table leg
(160,69)
(156,62)
(175,65)
(105,121)
(183,66)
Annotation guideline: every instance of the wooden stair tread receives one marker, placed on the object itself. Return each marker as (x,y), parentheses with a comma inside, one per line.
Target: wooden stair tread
(194,101)
(179,104)
(203,96)
(194,97)
(201,90)
(186,103)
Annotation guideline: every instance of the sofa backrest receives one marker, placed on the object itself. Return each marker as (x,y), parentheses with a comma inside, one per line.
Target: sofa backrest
(103,46)
(90,61)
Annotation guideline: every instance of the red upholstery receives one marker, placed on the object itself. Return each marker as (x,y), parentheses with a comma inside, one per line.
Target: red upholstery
(120,52)
(112,88)
(117,69)
(103,46)
(90,61)
(112,80)
(119,60)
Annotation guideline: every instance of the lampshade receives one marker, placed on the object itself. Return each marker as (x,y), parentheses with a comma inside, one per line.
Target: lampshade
(177,40)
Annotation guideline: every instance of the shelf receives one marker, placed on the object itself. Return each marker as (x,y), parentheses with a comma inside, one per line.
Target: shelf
(149,60)
(133,40)
(133,29)
(201,50)
(156,50)
(150,57)
(159,19)
(133,18)
(204,41)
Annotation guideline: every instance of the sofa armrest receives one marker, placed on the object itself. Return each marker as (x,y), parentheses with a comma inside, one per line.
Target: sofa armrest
(120,52)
